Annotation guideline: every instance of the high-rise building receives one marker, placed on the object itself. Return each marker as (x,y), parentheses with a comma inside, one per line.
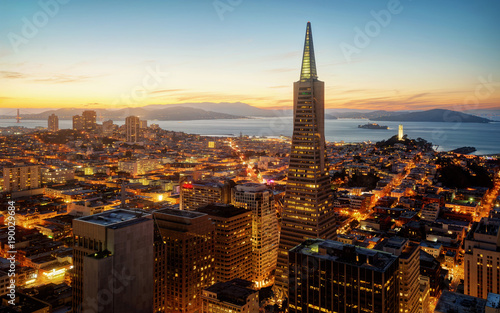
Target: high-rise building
(113,262)
(231,296)
(329,276)
(265,236)
(200,193)
(53,123)
(184,259)
(307,210)
(482,259)
(21,177)
(77,122)
(143,124)
(107,127)
(233,247)
(400,132)
(89,119)
(132,129)
(409,271)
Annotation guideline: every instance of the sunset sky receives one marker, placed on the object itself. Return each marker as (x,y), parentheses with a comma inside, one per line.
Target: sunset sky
(420,54)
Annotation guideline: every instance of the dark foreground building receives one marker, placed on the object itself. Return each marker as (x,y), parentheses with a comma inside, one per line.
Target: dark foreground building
(329,276)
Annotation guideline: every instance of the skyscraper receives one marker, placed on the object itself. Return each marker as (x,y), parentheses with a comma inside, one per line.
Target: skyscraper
(113,262)
(400,132)
(89,120)
(307,211)
(77,122)
(53,123)
(184,259)
(259,199)
(132,127)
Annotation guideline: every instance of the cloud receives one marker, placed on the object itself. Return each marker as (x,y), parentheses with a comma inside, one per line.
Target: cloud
(166,91)
(63,79)
(12,75)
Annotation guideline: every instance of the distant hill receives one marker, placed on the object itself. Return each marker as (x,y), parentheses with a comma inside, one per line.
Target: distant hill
(236,108)
(368,115)
(175,113)
(436,115)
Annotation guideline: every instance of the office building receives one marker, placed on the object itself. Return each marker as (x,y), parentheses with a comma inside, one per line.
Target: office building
(232,296)
(408,254)
(113,262)
(233,247)
(329,276)
(184,259)
(200,193)
(21,177)
(265,235)
(53,123)
(482,259)
(77,122)
(132,129)
(307,210)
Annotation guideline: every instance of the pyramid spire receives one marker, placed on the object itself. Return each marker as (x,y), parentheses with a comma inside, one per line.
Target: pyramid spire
(308,71)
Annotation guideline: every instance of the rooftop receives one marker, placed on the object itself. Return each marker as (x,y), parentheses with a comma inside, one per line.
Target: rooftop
(459,303)
(116,218)
(493,300)
(346,253)
(235,291)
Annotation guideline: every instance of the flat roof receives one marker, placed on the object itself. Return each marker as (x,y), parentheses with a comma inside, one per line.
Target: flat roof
(117,217)
(459,303)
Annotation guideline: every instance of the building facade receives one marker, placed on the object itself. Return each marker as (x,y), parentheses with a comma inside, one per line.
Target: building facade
(53,123)
(233,246)
(113,262)
(265,235)
(184,259)
(89,119)
(197,194)
(307,211)
(21,177)
(132,129)
(482,259)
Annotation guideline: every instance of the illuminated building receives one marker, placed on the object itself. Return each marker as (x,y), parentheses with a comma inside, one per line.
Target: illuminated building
(23,177)
(89,119)
(231,296)
(184,259)
(53,123)
(113,262)
(132,128)
(400,132)
(329,276)
(143,124)
(307,211)
(233,247)
(77,122)
(482,259)
(57,176)
(259,199)
(198,194)
(409,271)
